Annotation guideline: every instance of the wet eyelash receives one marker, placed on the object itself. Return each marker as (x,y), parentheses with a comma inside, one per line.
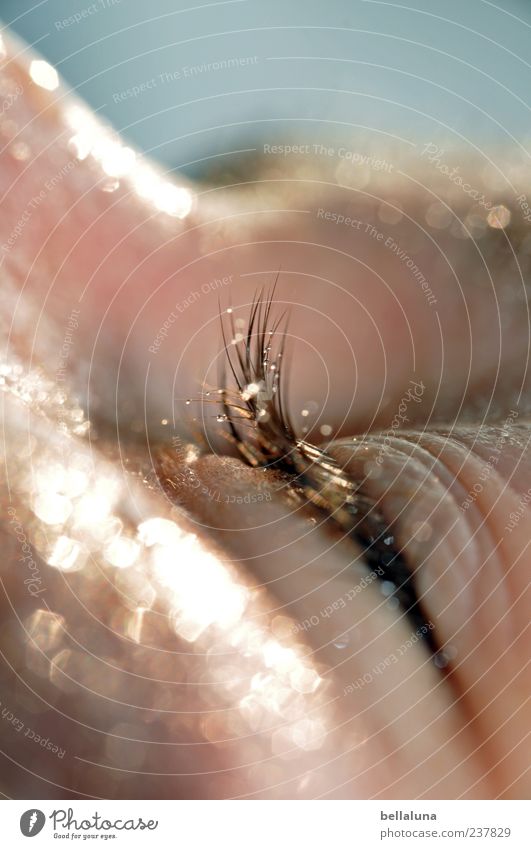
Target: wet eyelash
(259,426)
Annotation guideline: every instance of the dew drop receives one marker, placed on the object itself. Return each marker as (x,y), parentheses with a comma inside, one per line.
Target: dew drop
(20,151)
(440,660)
(110,186)
(422,531)
(499,217)
(387,588)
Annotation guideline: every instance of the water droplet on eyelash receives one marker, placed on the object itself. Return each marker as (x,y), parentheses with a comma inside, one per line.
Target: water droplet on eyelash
(188,402)
(250,391)
(164,421)
(221,418)
(229,310)
(389,540)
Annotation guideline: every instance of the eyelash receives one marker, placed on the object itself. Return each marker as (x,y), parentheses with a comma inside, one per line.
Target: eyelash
(259,426)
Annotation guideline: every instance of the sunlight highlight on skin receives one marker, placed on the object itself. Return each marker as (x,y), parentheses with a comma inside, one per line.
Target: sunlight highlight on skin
(80,522)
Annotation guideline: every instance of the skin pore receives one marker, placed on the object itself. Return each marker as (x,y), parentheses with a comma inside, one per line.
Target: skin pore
(112,289)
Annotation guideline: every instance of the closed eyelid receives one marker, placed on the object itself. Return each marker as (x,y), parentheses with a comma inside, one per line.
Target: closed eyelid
(345,480)
(443,496)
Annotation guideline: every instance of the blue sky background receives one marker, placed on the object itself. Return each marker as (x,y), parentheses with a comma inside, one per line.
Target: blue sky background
(455,71)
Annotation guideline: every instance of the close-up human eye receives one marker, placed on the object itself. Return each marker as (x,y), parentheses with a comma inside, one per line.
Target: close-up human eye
(266,471)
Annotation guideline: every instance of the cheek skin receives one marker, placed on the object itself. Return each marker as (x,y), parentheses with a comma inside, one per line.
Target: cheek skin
(115,659)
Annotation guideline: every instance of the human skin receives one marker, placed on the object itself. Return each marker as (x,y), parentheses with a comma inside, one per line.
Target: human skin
(360,330)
